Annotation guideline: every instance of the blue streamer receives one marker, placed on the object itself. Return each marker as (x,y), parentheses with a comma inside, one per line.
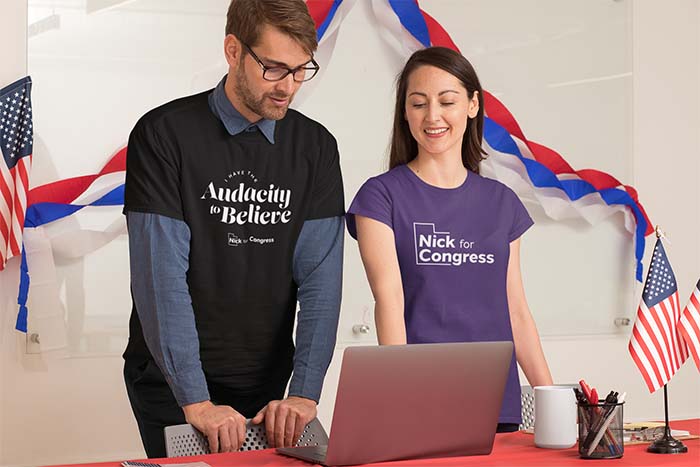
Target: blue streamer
(326,22)
(43,213)
(21,324)
(412,19)
(113,198)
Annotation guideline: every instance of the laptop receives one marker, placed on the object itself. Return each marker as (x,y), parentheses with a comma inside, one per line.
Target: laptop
(414,401)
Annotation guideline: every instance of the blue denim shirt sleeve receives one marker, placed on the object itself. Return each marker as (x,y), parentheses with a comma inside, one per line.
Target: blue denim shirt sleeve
(159,248)
(318,272)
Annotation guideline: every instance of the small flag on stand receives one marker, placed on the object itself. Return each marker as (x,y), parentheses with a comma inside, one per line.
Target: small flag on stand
(690,325)
(16,148)
(656,345)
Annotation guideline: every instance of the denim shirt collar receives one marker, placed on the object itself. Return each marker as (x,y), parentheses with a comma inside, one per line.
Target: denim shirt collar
(232,119)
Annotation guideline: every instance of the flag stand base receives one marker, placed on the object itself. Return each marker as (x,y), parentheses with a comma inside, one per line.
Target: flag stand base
(667,444)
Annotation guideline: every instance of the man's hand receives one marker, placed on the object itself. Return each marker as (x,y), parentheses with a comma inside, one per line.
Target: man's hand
(285,420)
(224,427)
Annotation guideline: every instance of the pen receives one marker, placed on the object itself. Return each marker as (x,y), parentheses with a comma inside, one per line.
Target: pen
(601,431)
(586,391)
(140,464)
(597,419)
(589,396)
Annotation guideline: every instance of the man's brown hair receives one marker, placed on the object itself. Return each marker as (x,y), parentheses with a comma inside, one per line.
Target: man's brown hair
(246,18)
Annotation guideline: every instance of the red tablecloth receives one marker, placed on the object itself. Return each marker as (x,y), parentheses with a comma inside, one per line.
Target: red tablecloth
(509,449)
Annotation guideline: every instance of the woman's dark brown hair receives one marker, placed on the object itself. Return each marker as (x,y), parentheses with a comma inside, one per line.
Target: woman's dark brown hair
(404,147)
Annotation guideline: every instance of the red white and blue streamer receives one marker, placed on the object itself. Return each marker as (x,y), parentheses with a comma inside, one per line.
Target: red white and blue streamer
(58,200)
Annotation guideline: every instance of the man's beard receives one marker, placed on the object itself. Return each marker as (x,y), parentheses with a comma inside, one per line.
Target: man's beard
(261,106)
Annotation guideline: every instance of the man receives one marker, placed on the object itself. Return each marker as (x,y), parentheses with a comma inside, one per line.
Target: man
(234,205)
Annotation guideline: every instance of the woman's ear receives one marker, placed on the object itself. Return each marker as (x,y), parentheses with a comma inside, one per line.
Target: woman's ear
(473,105)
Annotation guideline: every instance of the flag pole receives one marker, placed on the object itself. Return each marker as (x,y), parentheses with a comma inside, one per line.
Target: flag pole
(666,444)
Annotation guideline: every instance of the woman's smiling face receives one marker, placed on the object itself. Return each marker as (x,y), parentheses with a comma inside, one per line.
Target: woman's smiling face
(437,110)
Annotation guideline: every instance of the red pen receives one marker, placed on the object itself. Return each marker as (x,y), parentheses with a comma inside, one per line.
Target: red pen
(591,394)
(586,390)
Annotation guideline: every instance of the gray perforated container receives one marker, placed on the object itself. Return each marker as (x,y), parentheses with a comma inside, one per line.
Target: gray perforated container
(185,440)
(527,407)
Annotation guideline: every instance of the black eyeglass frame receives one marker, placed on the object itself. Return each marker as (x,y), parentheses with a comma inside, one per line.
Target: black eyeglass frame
(314,68)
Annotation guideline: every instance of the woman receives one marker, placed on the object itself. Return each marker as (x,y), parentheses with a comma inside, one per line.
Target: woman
(441,244)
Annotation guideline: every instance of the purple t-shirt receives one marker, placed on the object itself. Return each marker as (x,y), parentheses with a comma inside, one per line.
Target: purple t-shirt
(453,247)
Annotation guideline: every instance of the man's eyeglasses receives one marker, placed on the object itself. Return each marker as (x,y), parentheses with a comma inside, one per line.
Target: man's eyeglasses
(278,73)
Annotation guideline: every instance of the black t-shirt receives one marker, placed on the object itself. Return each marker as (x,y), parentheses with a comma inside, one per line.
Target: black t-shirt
(245,201)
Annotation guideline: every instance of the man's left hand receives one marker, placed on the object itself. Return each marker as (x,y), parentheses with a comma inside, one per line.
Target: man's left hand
(285,420)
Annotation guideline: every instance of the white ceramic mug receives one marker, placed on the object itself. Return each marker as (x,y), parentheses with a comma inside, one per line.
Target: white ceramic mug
(555,417)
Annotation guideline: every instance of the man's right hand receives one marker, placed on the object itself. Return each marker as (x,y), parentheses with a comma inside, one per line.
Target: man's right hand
(224,427)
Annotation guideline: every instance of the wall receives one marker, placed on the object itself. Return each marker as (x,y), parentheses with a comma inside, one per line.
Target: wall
(666,147)
(55,409)
(667,92)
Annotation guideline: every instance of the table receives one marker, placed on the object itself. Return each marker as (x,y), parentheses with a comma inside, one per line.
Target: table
(509,449)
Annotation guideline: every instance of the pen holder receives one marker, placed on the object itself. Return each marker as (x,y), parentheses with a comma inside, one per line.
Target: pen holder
(600,431)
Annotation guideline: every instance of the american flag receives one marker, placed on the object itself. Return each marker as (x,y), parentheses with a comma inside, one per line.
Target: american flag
(690,324)
(656,345)
(16,147)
